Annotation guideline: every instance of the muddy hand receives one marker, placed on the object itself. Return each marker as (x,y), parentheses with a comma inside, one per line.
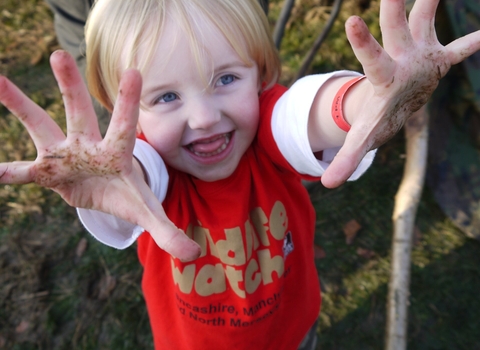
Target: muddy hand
(86,170)
(401,76)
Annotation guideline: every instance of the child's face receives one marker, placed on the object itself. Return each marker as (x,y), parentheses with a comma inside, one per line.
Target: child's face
(201,128)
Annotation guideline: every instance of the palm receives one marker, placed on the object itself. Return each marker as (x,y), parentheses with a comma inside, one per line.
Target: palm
(403,75)
(86,170)
(79,166)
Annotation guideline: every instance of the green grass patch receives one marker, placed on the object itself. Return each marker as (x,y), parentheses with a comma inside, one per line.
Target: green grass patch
(60,289)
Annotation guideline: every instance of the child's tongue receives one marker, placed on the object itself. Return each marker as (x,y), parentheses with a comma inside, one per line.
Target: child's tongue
(208,146)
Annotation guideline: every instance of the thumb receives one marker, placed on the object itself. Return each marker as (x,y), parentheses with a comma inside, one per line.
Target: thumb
(150,215)
(346,161)
(175,242)
(166,235)
(342,166)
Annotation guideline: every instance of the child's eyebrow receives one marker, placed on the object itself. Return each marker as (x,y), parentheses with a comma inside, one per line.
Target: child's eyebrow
(153,89)
(234,64)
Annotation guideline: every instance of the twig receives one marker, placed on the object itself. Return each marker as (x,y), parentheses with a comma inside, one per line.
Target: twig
(282,22)
(337,5)
(264,4)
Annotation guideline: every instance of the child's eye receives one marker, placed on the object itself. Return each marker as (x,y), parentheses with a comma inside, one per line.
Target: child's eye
(168,97)
(226,79)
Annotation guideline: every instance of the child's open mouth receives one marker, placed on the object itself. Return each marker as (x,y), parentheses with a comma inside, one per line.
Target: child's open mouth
(210,147)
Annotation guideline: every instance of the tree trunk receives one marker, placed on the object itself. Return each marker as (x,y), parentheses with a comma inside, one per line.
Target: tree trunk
(406,203)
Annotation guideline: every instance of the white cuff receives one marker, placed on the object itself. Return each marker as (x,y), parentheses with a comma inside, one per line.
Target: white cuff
(290,127)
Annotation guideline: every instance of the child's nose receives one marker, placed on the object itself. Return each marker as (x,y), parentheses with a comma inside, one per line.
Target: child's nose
(203,115)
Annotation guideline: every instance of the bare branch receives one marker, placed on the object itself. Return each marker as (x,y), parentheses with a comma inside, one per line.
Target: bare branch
(264,4)
(282,20)
(406,203)
(320,39)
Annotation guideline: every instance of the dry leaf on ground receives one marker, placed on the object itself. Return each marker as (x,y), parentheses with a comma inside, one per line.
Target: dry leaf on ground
(350,229)
(81,247)
(365,253)
(319,252)
(106,287)
(22,327)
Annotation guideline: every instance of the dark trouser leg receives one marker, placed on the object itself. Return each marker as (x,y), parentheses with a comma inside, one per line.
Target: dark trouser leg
(310,340)
(69,20)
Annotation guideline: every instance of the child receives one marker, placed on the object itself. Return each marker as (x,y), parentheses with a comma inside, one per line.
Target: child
(215,175)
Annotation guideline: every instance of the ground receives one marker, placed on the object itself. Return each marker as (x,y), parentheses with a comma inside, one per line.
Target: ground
(60,289)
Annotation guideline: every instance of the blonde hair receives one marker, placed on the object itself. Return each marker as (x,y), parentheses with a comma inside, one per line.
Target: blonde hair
(119,27)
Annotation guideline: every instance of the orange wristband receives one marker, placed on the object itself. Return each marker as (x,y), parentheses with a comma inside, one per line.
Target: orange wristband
(337,105)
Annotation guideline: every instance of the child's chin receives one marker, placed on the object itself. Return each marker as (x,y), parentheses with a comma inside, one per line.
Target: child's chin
(215,173)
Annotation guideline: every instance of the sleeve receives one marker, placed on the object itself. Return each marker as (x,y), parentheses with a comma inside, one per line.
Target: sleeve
(290,128)
(118,233)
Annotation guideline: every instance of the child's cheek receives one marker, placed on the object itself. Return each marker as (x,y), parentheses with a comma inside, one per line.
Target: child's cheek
(139,132)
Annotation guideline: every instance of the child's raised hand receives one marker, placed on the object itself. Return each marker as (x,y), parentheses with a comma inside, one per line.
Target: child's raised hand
(85,170)
(401,76)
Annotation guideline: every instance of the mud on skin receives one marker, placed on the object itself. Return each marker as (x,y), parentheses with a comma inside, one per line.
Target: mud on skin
(410,100)
(64,167)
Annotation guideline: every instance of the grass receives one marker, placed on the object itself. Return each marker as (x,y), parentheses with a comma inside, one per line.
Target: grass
(445,308)
(60,289)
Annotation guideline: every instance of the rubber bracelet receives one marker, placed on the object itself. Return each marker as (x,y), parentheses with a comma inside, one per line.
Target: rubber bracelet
(337,105)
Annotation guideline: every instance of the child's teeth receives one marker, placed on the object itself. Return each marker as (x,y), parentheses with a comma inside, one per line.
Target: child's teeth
(220,149)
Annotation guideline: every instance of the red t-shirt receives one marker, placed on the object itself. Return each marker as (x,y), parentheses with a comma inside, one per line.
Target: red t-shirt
(255,285)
